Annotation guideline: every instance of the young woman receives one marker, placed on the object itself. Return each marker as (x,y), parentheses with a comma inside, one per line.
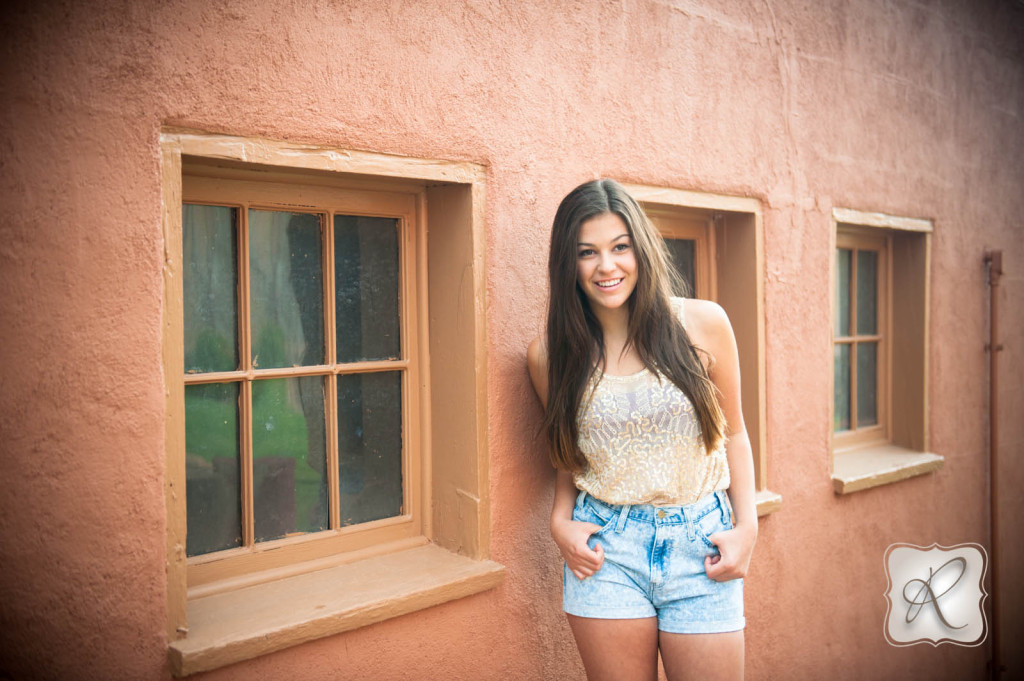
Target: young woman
(641,393)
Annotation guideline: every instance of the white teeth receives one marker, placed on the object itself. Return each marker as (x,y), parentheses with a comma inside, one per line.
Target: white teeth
(607,284)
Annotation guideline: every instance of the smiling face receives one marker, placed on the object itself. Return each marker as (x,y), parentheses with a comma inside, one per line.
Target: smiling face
(605,262)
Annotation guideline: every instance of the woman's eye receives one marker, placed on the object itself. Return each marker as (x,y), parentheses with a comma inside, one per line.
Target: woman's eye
(586,252)
(621,247)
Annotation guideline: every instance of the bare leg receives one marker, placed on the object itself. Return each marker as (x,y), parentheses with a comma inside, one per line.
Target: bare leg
(708,657)
(617,650)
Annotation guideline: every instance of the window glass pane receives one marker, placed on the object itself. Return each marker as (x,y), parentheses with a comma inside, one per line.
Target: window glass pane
(842,302)
(212,481)
(683,253)
(366,287)
(841,390)
(289,448)
(286,289)
(370,446)
(210,279)
(867,292)
(867,384)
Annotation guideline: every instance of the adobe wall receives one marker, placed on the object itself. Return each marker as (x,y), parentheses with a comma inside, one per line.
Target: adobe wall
(906,108)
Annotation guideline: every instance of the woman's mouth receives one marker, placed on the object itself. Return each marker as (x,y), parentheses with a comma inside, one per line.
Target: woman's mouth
(608,283)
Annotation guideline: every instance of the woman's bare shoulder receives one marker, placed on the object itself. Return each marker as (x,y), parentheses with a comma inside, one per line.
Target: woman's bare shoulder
(708,327)
(706,315)
(537,350)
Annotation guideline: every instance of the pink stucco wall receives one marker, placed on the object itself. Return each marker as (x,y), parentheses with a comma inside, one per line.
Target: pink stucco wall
(905,108)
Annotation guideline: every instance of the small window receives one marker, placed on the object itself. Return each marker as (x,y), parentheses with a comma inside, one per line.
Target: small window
(861,338)
(879,400)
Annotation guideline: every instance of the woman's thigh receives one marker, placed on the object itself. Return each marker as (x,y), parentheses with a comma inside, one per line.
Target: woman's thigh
(715,657)
(619,649)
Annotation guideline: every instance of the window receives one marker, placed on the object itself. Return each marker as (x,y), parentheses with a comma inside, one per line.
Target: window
(326,391)
(861,339)
(716,244)
(879,350)
(689,235)
(300,329)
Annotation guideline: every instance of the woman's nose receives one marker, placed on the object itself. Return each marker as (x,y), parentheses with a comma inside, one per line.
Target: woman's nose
(607,263)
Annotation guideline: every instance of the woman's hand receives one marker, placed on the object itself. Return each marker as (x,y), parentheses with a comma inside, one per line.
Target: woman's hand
(735,547)
(571,537)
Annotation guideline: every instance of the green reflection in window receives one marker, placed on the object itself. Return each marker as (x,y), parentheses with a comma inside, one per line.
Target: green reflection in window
(210,281)
(286,293)
(212,465)
(289,457)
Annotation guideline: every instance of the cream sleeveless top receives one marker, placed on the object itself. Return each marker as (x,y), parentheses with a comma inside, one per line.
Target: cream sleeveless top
(641,438)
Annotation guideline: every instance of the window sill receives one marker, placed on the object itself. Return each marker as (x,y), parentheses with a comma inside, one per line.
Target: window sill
(238,625)
(876,465)
(767,502)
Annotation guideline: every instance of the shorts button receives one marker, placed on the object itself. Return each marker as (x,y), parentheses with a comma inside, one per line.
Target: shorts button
(661,514)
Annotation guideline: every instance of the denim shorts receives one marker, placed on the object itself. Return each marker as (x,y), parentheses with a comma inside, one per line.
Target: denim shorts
(654,566)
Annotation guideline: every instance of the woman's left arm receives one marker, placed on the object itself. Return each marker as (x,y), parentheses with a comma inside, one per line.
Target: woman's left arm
(736,545)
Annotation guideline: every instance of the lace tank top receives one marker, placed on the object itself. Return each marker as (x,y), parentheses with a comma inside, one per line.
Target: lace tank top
(641,438)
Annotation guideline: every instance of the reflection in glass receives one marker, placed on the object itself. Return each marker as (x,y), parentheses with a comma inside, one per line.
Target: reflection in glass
(212,465)
(289,448)
(867,382)
(366,288)
(867,292)
(683,254)
(210,279)
(286,289)
(370,446)
(841,389)
(842,302)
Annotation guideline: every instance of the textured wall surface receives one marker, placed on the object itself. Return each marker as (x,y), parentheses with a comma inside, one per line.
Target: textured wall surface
(908,108)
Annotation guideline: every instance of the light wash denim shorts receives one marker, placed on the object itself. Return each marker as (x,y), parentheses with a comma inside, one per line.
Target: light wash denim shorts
(654,566)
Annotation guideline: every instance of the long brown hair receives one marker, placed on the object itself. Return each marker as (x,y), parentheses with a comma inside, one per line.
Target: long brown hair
(575,341)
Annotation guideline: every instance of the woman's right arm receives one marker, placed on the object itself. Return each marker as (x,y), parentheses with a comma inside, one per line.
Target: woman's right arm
(570,535)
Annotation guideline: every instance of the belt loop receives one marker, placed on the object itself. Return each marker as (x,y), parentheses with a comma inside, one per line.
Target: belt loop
(623,514)
(688,517)
(579,499)
(723,501)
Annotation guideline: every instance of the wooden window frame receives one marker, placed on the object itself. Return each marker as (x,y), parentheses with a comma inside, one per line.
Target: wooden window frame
(857,240)
(899,449)
(243,190)
(729,269)
(696,226)
(245,610)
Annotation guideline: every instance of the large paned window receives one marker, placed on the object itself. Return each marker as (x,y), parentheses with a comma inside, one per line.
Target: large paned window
(326,463)
(297,364)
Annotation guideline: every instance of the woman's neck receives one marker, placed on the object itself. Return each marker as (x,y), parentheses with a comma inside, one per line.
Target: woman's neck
(615,328)
(614,323)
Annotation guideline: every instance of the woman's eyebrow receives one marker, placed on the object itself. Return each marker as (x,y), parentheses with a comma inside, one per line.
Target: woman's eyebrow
(584,243)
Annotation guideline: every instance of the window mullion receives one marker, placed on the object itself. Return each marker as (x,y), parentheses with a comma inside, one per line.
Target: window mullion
(885,367)
(331,384)
(245,410)
(854,253)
